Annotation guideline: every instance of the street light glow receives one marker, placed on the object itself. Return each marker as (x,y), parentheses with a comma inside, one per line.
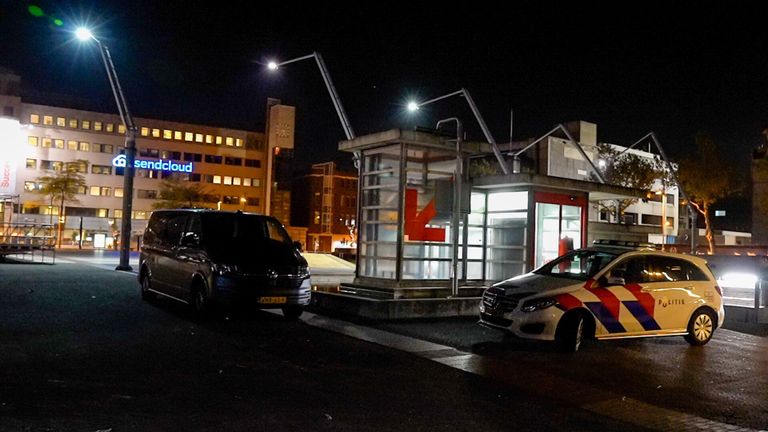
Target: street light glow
(83,34)
(273,66)
(413,106)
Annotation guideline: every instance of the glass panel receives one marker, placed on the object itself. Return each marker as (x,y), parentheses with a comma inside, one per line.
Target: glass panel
(547,232)
(501,201)
(570,226)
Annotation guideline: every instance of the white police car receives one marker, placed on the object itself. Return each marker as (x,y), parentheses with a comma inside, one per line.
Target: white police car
(611,290)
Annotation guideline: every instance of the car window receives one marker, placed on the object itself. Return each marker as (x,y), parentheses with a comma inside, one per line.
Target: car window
(632,269)
(174,228)
(194,228)
(277,232)
(155,227)
(580,264)
(670,269)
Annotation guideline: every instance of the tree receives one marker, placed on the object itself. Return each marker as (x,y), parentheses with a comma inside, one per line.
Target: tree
(707,176)
(627,170)
(63,186)
(177,193)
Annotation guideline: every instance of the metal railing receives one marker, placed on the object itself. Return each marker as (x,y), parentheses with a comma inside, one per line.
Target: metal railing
(18,238)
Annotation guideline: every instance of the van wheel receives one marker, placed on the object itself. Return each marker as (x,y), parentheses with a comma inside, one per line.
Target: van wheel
(570,332)
(700,328)
(199,303)
(292,313)
(146,285)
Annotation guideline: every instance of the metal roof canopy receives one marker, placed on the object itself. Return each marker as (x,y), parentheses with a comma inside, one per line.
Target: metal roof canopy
(596,191)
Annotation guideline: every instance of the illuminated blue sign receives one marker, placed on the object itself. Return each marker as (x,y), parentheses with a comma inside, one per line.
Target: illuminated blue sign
(160,164)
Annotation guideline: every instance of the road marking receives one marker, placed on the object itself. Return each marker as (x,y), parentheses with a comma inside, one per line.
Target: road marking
(623,409)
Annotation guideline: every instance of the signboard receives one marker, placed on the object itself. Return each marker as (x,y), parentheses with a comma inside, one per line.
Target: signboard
(159,164)
(7,177)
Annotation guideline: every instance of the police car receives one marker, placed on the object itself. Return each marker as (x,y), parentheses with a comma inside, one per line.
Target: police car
(609,291)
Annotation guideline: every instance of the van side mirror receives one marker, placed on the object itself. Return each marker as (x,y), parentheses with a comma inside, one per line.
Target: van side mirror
(190,239)
(297,245)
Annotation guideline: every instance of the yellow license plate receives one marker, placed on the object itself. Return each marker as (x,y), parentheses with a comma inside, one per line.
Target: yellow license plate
(271,300)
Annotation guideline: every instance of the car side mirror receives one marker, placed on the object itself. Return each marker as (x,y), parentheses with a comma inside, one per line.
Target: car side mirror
(297,245)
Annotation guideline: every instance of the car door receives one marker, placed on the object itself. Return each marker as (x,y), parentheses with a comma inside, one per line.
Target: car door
(173,268)
(627,306)
(673,291)
(158,252)
(189,254)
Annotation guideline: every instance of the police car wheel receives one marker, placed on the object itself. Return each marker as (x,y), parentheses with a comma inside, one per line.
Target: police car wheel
(570,333)
(700,328)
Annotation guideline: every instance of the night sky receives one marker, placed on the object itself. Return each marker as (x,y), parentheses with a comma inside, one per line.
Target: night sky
(629,67)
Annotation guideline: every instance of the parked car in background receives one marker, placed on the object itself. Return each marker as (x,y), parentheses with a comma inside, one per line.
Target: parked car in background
(608,291)
(200,257)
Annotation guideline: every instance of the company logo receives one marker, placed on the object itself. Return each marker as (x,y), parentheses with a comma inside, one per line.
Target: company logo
(5,181)
(160,164)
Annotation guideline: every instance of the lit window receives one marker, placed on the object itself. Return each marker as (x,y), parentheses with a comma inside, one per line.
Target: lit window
(121,128)
(256,182)
(236,181)
(48,120)
(167,134)
(156,133)
(33,141)
(238,142)
(34,118)
(177,135)
(118,192)
(95,190)
(217,179)
(219,139)
(71,145)
(110,127)
(209,139)
(32,163)
(188,136)
(145,131)
(246,182)
(103,213)
(61,121)
(230,141)
(73,123)
(86,124)
(97,126)
(84,146)
(30,185)
(227,180)
(46,142)
(58,143)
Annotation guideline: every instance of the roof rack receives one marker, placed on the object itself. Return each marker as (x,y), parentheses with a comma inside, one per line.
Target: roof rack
(624,243)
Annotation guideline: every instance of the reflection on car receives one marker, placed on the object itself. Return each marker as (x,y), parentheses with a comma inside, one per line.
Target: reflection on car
(608,292)
(201,257)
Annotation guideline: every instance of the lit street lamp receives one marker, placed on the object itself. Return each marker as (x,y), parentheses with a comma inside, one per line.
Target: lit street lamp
(414,106)
(85,35)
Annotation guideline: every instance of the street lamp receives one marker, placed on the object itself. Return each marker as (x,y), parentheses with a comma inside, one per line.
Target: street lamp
(85,35)
(350,134)
(414,106)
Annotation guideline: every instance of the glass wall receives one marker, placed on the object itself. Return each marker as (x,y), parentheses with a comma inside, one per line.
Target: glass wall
(427,249)
(558,229)
(378,225)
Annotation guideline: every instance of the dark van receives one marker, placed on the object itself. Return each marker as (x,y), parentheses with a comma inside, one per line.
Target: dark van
(200,256)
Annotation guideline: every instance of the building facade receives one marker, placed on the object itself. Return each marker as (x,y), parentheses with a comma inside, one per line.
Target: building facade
(233,166)
(325,201)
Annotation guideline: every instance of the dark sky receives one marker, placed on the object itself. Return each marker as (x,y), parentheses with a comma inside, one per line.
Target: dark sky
(631,67)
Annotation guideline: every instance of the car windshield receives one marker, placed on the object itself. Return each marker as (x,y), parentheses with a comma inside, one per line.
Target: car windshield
(580,264)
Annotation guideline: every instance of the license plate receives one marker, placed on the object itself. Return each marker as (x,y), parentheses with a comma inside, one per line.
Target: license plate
(271,300)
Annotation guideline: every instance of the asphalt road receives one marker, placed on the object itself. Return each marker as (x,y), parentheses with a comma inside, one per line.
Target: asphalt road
(80,351)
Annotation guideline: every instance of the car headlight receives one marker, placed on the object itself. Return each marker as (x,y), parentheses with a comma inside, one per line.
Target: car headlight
(538,304)
(303,271)
(224,269)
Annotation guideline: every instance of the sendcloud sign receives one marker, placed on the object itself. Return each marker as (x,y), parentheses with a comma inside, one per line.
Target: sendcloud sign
(160,164)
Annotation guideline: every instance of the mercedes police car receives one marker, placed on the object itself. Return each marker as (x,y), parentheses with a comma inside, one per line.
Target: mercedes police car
(608,291)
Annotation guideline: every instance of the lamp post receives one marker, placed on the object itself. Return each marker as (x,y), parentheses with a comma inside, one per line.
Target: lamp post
(350,134)
(414,106)
(458,181)
(130,147)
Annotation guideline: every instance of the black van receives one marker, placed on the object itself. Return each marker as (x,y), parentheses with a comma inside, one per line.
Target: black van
(200,256)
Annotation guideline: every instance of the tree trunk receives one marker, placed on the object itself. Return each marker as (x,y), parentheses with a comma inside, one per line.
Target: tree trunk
(708,225)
